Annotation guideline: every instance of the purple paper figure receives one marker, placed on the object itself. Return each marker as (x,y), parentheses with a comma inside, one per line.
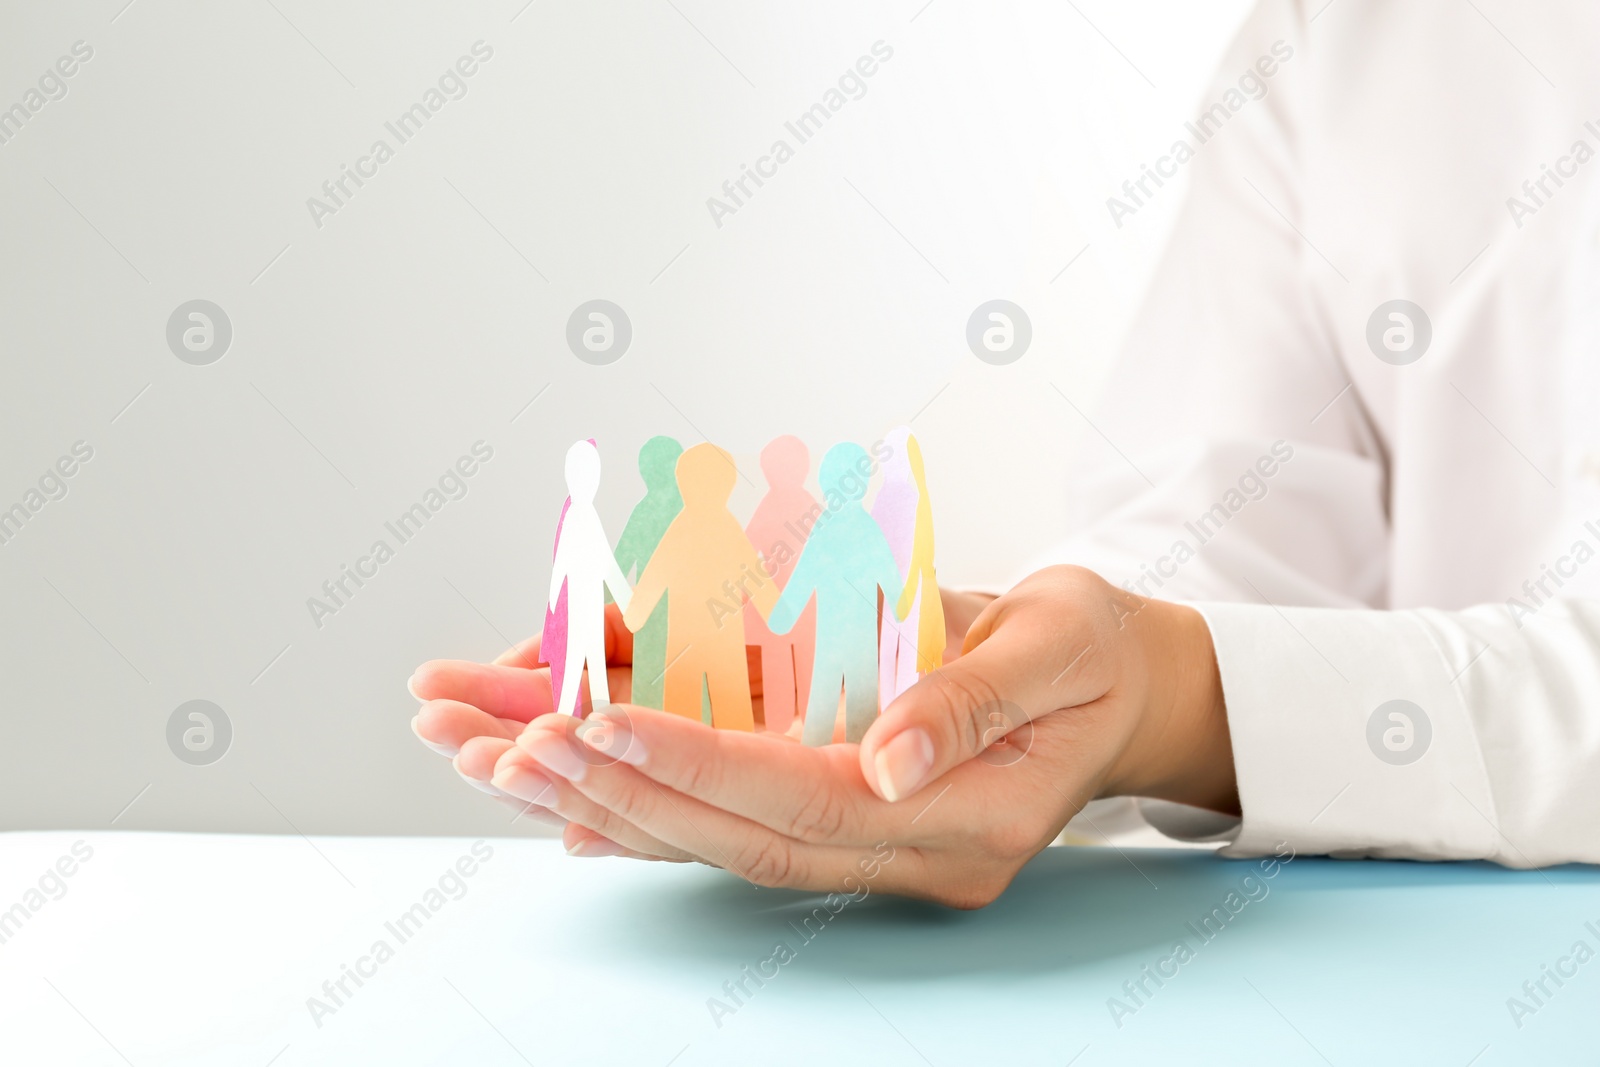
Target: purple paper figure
(895,511)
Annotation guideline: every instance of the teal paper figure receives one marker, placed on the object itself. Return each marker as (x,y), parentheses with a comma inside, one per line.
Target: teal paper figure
(845,562)
(658,463)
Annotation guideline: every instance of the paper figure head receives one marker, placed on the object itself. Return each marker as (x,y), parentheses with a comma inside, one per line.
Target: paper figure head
(583,471)
(658,461)
(705,476)
(785,461)
(897,466)
(845,471)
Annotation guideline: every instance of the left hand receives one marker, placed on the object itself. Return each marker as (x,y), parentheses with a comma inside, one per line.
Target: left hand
(1119,695)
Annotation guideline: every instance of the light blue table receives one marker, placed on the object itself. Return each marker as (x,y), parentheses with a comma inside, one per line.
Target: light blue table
(175,949)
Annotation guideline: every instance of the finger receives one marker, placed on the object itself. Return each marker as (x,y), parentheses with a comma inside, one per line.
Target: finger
(446,725)
(1012,672)
(533,813)
(504,692)
(510,693)
(527,654)
(475,762)
(478,766)
(518,775)
(753,851)
(814,795)
(524,654)
(582,841)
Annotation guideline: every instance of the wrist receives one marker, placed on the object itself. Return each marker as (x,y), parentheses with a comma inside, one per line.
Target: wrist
(1180,748)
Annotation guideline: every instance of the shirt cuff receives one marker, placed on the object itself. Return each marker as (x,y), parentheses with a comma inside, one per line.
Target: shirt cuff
(1349,737)
(1183,823)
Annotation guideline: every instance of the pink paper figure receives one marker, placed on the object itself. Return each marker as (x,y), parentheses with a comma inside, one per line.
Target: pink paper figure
(778,529)
(553,639)
(895,511)
(585,569)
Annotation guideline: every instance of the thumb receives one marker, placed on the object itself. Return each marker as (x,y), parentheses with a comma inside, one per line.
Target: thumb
(959,711)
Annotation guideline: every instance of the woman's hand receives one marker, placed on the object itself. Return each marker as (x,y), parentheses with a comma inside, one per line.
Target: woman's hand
(1068,689)
(472,712)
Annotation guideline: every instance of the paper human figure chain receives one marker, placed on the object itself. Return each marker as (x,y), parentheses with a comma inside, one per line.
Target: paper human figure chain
(841,604)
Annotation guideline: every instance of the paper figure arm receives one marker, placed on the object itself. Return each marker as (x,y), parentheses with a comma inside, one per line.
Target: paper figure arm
(616,583)
(796,594)
(559,568)
(645,596)
(765,595)
(917,579)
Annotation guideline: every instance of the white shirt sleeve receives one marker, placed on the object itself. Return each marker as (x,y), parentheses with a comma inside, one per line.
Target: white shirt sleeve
(1493,754)
(1236,464)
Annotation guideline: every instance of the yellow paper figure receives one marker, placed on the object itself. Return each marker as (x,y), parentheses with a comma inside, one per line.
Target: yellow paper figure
(921,593)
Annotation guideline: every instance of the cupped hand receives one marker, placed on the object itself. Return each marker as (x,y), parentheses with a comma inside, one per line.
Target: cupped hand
(472,712)
(1068,689)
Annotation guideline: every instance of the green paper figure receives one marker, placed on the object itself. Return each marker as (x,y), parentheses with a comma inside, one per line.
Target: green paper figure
(658,462)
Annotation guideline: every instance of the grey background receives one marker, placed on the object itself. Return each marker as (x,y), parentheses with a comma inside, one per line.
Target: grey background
(372,352)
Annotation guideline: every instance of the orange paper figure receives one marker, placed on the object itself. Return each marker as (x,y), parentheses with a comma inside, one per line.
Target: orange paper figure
(706,567)
(778,529)
(921,595)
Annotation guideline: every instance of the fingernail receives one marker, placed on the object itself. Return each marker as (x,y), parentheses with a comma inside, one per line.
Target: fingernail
(443,750)
(903,763)
(610,736)
(594,847)
(552,751)
(480,785)
(411,685)
(524,784)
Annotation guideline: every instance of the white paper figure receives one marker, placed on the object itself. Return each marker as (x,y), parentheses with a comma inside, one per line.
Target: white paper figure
(584,560)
